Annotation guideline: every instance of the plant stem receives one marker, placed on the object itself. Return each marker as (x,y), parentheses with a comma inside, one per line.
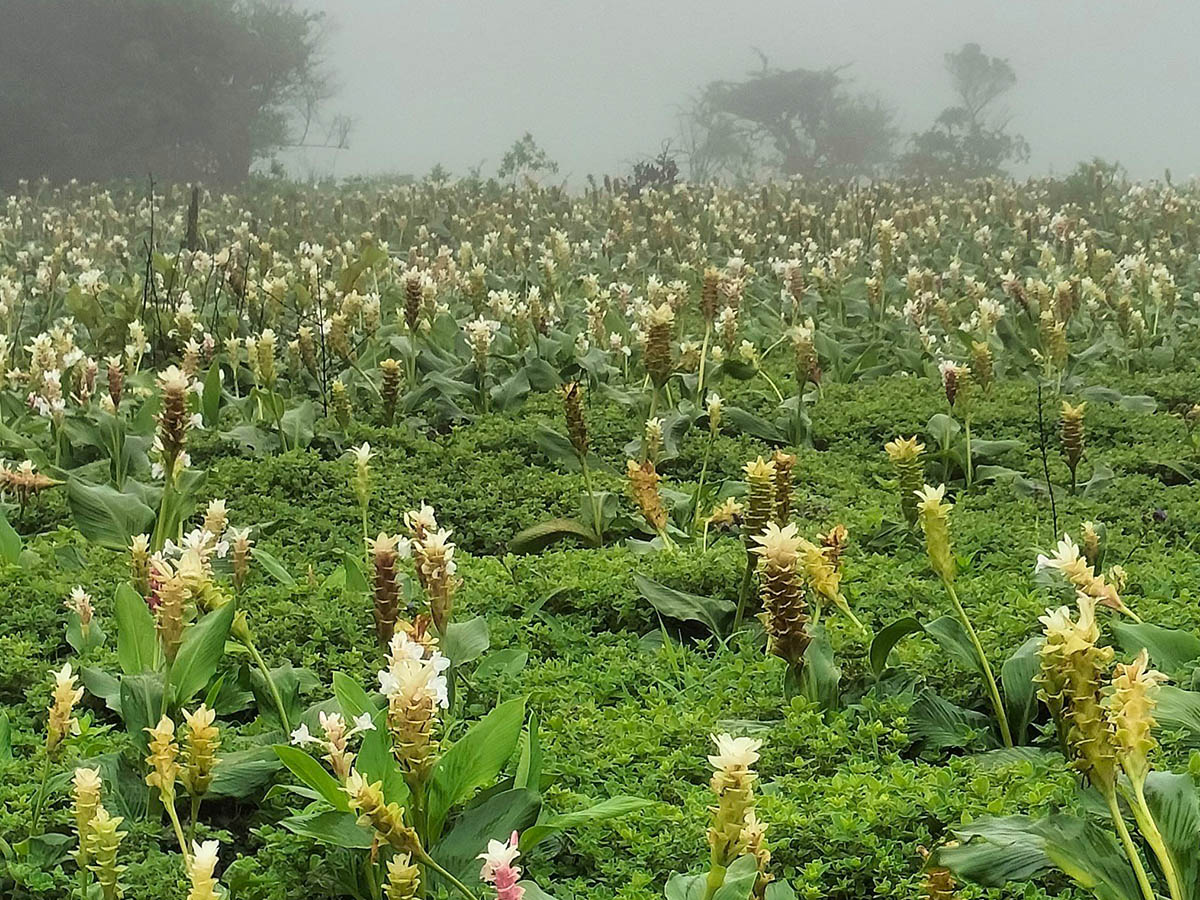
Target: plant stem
(587,486)
(703,359)
(1152,834)
(429,861)
(195,815)
(40,799)
(703,472)
(744,591)
(169,803)
(1110,796)
(993,690)
(275,698)
(967,433)
(716,878)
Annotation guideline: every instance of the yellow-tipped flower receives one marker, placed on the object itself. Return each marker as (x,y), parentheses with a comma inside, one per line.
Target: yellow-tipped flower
(1130,709)
(784,463)
(163,759)
(362,473)
(933,512)
(905,455)
(86,789)
(760,500)
(786,617)
(643,487)
(104,841)
(1077,570)
(733,783)
(403,878)
(387,819)
(62,721)
(201,868)
(200,746)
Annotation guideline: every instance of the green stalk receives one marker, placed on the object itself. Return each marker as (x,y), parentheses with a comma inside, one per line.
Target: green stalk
(427,860)
(175,824)
(989,678)
(266,673)
(1110,797)
(39,799)
(968,437)
(716,878)
(195,815)
(1150,831)
(703,472)
(587,486)
(703,359)
(744,591)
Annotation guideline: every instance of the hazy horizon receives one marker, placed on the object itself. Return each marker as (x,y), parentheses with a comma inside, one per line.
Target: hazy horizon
(600,86)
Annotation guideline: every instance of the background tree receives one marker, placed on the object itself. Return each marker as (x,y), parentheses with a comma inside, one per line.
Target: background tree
(969,139)
(185,90)
(803,121)
(525,159)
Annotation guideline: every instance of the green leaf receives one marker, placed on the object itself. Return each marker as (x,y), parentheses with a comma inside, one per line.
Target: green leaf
(1174,805)
(748,423)
(201,650)
(210,400)
(953,638)
(356,586)
(274,566)
(5,735)
(495,819)
(509,661)
(137,641)
(1170,649)
(529,766)
(712,612)
(243,773)
(10,542)
(605,809)
(686,887)
(996,851)
(780,890)
(465,641)
(141,706)
(474,760)
(542,535)
(820,677)
(942,725)
(313,774)
(888,637)
(107,516)
(1020,690)
(332,826)
(739,879)
(1179,710)
(298,424)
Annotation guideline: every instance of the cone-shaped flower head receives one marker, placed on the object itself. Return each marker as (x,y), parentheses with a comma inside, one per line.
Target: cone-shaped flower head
(933,512)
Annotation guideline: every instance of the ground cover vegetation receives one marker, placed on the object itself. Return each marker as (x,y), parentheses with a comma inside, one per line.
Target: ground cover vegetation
(472,539)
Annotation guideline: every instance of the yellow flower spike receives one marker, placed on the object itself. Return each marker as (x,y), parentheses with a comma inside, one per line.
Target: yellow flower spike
(104,841)
(163,759)
(933,512)
(905,456)
(1130,709)
(403,878)
(85,801)
(201,743)
(201,870)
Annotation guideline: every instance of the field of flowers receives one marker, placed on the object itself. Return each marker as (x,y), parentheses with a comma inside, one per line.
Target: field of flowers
(446,539)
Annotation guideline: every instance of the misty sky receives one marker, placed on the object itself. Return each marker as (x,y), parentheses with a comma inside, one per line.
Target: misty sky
(599,84)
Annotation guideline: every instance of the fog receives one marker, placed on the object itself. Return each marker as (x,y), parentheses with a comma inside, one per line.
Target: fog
(600,84)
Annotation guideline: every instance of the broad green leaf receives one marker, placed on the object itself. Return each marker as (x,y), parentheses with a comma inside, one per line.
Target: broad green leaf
(953,638)
(10,542)
(820,677)
(141,706)
(712,612)
(995,851)
(1020,690)
(605,809)
(199,654)
(332,826)
(313,774)
(137,641)
(686,887)
(739,879)
(888,637)
(243,773)
(1174,804)
(210,400)
(107,516)
(747,423)
(474,760)
(538,537)
(529,766)
(465,641)
(1170,649)
(356,586)
(298,424)
(495,819)
(941,725)
(274,566)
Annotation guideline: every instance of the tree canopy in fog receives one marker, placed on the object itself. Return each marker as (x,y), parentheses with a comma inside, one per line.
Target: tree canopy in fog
(183,90)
